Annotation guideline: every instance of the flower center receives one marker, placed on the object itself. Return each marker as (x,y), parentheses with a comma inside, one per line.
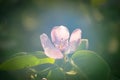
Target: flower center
(61,46)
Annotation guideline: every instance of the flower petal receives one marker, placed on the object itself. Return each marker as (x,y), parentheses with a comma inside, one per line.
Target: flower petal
(49,49)
(59,33)
(75,39)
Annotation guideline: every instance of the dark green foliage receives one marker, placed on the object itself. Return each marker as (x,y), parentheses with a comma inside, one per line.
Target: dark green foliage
(91,65)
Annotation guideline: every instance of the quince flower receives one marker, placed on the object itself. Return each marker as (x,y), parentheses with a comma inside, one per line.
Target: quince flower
(61,42)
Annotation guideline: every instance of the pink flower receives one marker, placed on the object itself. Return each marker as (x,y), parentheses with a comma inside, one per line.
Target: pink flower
(61,42)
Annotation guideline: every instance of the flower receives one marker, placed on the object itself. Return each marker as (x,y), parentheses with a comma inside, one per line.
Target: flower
(61,42)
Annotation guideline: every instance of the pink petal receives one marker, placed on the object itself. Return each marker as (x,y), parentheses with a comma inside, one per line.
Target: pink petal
(75,39)
(49,49)
(59,33)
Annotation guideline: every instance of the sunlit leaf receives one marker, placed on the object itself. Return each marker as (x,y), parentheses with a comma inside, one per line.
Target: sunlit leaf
(39,54)
(72,72)
(24,61)
(98,2)
(91,65)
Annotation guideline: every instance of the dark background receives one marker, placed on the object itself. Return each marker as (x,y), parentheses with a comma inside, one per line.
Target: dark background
(22,22)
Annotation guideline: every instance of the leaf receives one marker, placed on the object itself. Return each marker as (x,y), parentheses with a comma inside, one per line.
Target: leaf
(91,65)
(72,72)
(24,61)
(98,2)
(38,54)
(56,74)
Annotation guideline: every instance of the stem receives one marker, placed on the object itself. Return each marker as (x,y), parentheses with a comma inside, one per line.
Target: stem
(66,58)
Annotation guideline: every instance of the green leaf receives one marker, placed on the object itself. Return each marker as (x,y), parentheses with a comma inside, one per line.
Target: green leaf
(98,2)
(38,54)
(91,65)
(24,61)
(56,74)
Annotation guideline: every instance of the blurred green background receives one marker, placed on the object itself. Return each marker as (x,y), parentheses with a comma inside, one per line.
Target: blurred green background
(22,22)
